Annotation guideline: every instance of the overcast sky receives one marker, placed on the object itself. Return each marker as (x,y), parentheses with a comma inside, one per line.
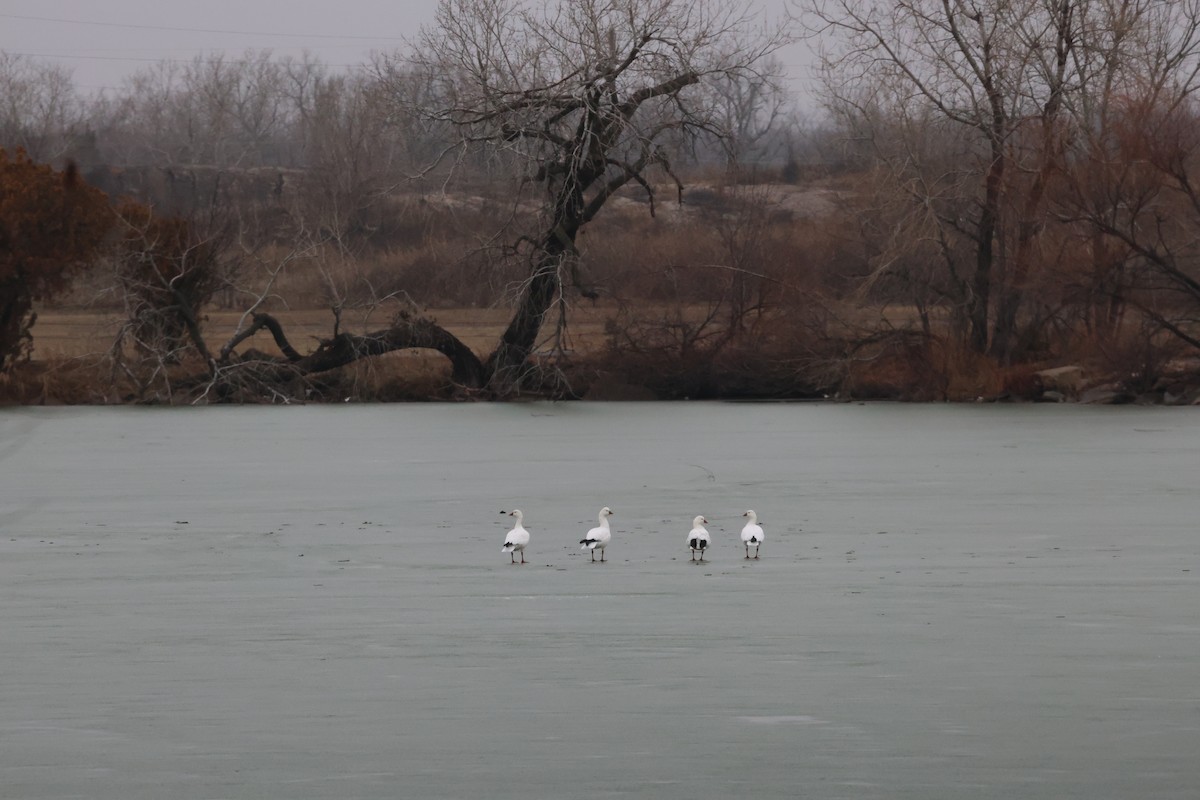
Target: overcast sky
(103,41)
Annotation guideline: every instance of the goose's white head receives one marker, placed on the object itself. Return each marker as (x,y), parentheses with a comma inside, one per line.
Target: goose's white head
(698,521)
(753,517)
(605,512)
(516,512)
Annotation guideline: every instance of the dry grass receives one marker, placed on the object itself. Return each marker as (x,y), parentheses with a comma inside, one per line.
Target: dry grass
(67,334)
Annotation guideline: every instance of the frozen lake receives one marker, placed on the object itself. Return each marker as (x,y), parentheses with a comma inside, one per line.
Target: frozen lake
(952,601)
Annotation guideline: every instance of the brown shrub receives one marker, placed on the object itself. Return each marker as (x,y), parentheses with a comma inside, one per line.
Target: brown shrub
(971,375)
(1021,383)
(1136,356)
(892,364)
(401,376)
(678,350)
(73,381)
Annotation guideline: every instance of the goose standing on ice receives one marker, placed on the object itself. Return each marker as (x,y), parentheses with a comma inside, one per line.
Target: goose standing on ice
(698,538)
(752,534)
(517,538)
(599,537)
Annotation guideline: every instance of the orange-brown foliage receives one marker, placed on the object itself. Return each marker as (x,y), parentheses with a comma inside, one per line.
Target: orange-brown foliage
(51,224)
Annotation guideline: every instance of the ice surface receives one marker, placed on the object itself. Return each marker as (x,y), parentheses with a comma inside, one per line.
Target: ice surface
(952,601)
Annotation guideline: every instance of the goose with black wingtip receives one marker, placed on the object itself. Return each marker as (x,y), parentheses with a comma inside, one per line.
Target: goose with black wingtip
(752,534)
(698,538)
(599,537)
(517,538)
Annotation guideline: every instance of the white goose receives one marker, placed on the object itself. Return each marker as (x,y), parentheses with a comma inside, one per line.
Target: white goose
(698,538)
(599,537)
(517,538)
(752,534)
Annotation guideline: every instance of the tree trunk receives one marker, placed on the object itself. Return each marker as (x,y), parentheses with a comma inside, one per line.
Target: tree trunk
(520,337)
(545,283)
(981,281)
(16,318)
(466,368)
(1012,293)
(1004,334)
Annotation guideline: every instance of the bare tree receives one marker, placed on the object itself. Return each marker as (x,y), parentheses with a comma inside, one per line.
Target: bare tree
(40,111)
(1133,184)
(752,110)
(350,155)
(991,69)
(582,96)
(1035,89)
(1143,203)
(216,111)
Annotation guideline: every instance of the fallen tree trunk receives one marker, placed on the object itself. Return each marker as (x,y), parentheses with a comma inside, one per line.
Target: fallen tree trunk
(345,348)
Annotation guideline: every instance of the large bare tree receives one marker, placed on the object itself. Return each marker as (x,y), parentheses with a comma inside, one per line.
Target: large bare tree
(580,99)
